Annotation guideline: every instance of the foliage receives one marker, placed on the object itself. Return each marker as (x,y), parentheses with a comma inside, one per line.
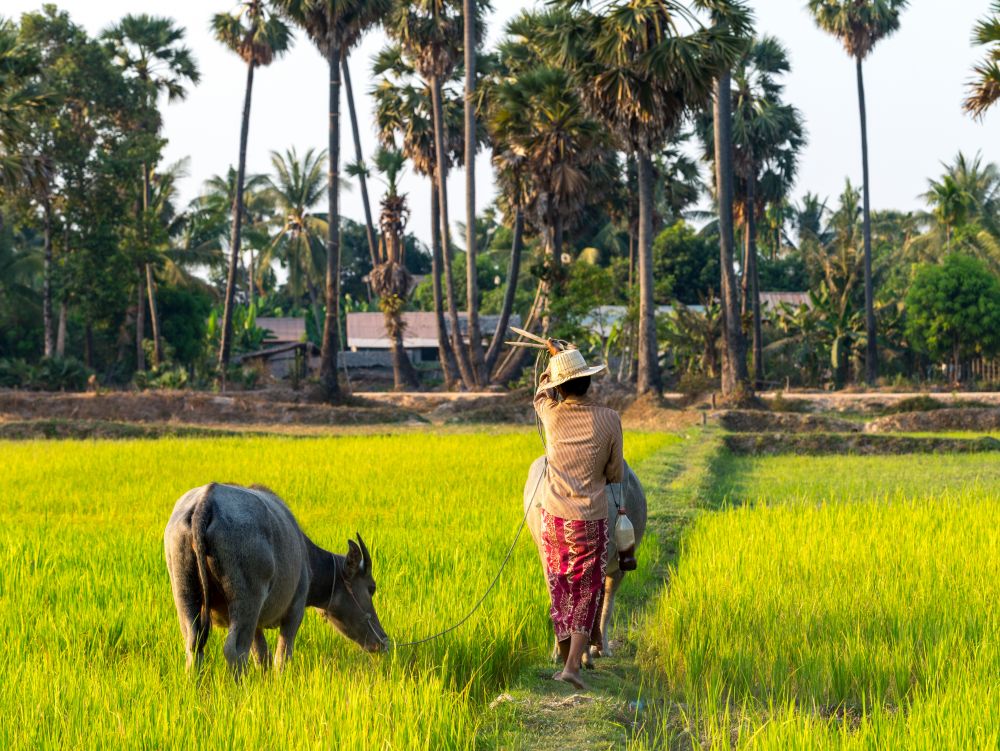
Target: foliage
(685,264)
(49,374)
(953,309)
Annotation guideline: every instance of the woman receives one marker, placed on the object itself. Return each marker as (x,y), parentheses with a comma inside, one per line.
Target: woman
(584,452)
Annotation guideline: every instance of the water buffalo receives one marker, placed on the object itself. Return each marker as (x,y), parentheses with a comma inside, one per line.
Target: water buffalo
(635,504)
(237,558)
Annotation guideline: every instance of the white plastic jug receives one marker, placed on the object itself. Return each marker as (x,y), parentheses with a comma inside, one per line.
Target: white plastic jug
(624,532)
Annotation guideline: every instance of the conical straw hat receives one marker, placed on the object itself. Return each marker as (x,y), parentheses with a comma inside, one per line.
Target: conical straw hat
(566,366)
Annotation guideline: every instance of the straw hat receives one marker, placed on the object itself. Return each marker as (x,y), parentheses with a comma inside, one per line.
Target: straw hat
(566,366)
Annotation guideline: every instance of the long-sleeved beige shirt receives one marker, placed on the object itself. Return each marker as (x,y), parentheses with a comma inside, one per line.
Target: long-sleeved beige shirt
(584,449)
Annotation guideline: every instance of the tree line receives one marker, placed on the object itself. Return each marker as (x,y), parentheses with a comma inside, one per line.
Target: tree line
(594,115)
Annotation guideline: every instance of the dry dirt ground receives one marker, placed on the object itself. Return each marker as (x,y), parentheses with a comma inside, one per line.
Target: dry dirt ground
(282,410)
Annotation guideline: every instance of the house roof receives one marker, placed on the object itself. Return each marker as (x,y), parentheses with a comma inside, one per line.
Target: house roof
(284,329)
(774,299)
(367,330)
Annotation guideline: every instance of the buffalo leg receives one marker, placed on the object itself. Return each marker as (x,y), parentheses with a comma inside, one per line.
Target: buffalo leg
(260,651)
(286,636)
(187,593)
(243,615)
(611,584)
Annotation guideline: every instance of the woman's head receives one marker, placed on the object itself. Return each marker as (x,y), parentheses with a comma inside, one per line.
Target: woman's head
(574,387)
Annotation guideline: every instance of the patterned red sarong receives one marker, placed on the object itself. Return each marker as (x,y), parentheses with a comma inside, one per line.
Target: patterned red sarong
(576,558)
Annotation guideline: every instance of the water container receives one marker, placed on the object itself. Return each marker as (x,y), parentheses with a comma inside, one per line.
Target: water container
(625,542)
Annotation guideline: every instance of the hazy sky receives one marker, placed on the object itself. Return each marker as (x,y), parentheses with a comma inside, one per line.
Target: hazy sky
(914,83)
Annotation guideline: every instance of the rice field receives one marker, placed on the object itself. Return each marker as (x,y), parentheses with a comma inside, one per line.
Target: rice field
(92,655)
(835,602)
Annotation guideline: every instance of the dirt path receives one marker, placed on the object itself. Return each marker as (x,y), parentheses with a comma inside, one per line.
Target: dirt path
(540,714)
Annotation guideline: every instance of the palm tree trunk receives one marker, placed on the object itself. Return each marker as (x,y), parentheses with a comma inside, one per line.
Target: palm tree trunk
(237,230)
(449,368)
(513,269)
(331,333)
(458,346)
(251,275)
(61,329)
(649,368)
(140,321)
(50,338)
(745,301)
(154,318)
(735,378)
(477,361)
(404,375)
(359,158)
(754,290)
(871,349)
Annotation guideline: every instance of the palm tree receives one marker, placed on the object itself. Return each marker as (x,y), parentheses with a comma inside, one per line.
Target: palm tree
(430,33)
(296,186)
(404,117)
(20,99)
(859,25)
(767,138)
(389,278)
(218,198)
(472,35)
(984,89)
(334,26)
(950,203)
(555,157)
(358,169)
(258,36)
(642,66)
(149,48)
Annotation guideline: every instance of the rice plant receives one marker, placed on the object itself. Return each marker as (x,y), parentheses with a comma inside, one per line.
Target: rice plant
(92,651)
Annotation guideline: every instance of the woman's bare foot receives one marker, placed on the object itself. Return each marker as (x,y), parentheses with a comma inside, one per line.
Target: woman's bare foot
(573,679)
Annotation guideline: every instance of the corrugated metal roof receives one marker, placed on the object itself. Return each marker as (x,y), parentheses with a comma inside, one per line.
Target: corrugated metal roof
(774,299)
(284,329)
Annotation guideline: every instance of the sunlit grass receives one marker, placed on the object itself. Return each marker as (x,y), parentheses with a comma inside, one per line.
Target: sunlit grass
(851,603)
(92,651)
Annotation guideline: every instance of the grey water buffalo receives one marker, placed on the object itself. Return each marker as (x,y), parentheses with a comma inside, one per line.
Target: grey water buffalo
(238,559)
(630,489)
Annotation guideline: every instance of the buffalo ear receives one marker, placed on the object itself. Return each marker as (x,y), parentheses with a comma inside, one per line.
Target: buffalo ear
(355,561)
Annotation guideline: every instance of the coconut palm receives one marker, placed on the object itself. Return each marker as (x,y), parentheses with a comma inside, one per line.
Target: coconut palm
(258,36)
(859,25)
(389,278)
(257,208)
(984,88)
(431,35)
(641,67)
(297,185)
(404,118)
(335,27)
(150,49)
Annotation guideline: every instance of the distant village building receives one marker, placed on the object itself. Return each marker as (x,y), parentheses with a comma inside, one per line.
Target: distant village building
(285,348)
(602,319)
(368,344)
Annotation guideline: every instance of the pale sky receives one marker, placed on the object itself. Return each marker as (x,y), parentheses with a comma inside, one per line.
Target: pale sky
(914,83)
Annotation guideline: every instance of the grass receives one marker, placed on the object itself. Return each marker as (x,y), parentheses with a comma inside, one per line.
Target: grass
(93,656)
(834,602)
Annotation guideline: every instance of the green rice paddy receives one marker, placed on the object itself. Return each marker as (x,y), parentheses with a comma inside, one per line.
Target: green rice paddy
(843,602)
(92,654)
